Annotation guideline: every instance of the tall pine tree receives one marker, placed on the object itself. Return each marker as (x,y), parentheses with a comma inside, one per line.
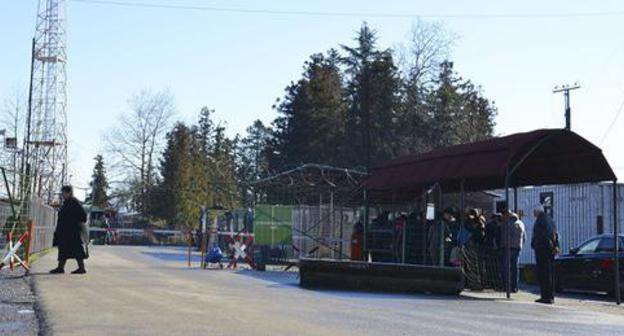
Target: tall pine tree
(99,185)
(310,128)
(179,191)
(252,158)
(459,112)
(373,85)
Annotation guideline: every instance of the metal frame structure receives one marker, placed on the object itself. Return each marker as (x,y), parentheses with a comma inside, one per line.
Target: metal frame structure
(313,185)
(46,128)
(539,157)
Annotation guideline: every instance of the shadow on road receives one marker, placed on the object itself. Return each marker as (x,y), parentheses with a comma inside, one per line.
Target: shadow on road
(573,295)
(277,279)
(175,255)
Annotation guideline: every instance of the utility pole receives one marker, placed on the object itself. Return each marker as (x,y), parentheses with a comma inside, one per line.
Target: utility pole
(565,88)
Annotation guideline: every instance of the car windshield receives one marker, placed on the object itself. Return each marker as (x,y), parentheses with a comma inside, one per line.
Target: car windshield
(589,247)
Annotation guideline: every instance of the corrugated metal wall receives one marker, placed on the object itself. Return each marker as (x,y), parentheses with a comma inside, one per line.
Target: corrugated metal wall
(575,210)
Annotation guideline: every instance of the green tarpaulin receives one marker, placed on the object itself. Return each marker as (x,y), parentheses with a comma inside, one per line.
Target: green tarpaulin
(273,224)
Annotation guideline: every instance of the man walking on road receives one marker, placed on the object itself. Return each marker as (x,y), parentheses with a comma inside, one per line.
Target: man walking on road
(70,232)
(546,246)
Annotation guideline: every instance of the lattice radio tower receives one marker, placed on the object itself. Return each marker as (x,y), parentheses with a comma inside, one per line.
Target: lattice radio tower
(46,124)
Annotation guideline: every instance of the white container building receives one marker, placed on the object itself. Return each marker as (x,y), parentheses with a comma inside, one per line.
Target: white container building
(580,211)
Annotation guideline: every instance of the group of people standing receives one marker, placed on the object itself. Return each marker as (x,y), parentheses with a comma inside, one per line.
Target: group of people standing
(489,250)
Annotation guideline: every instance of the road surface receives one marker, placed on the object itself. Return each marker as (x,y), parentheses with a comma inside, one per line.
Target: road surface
(17,311)
(149,291)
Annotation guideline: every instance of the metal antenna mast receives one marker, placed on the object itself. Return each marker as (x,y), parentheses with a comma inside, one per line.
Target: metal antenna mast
(46,139)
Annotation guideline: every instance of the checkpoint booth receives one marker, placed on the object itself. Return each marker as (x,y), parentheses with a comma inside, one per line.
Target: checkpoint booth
(423,182)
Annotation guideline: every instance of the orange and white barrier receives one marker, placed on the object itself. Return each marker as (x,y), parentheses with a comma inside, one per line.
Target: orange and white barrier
(12,255)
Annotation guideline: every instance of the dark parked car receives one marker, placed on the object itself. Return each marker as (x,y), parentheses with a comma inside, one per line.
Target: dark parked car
(590,266)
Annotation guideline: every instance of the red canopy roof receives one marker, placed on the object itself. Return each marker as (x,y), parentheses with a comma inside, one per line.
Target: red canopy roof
(547,156)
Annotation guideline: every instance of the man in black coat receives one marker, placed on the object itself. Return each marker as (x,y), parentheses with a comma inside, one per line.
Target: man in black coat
(69,233)
(546,246)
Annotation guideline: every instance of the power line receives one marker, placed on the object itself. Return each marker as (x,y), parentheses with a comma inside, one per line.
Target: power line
(617,116)
(351,14)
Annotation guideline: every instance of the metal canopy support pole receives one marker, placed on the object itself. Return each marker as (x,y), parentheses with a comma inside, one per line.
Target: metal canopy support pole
(393,242)
(462,199)
(442,227)
(516,200)
(403,237)
(425,250)
(507,248)
(331,217)
(365,228)
(342,254)
(617,244)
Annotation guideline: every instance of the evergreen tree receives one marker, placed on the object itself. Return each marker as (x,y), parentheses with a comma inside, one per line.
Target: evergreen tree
(310,128)
(180,200)
(223,179)
(216,162)
(205,129)
(373,87)
(414,133)
(99,184)
(252,158)
(459,113)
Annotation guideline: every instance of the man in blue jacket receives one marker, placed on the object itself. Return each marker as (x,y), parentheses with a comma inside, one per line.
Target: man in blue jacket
(546,246)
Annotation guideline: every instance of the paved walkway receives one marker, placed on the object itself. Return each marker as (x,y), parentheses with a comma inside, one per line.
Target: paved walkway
(149,291)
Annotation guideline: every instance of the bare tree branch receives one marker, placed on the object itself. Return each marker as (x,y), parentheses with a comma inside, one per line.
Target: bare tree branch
(134,144)
(430,43)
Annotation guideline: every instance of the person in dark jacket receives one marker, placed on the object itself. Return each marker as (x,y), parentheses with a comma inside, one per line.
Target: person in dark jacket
(69,234)
(546,246)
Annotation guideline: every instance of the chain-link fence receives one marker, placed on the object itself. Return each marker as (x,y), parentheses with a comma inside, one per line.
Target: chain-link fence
(291,232)
(323,231)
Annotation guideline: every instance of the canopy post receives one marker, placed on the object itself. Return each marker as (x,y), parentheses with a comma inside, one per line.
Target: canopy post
(442,228)
(331,213)
(616,240)
(424,226)
(365,226)
(462,199)
(403,242)
(507,247)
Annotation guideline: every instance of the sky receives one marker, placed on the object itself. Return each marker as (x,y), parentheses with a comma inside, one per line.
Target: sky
(239,62)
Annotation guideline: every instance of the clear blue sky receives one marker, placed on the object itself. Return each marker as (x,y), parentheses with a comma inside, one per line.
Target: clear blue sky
(238,63)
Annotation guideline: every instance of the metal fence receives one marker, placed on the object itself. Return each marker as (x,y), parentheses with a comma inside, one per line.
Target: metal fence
(327,227)
(43,218)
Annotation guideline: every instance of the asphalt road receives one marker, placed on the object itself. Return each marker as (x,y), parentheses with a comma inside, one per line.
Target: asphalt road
(149,291)
(17,304)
